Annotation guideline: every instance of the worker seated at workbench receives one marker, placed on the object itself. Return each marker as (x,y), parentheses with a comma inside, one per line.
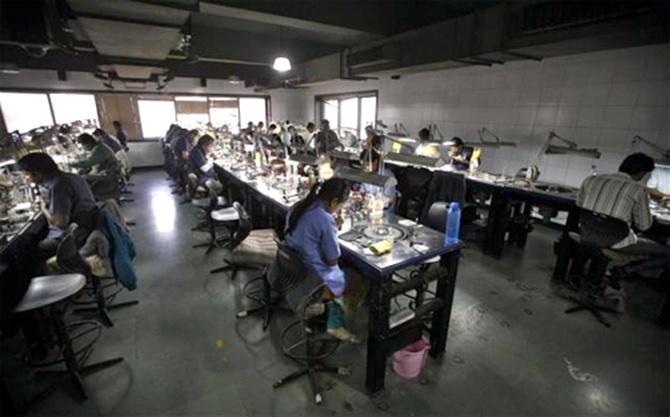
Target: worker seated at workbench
(311,229)
(116,147)
(326,140)
(370,160)
(623,195)
(459,155)
(101,159)
(68,200)
(427,147)
(202,165)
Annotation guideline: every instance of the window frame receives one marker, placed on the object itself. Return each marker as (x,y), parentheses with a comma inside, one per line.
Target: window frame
(135,97)
(53,108)
(320,99)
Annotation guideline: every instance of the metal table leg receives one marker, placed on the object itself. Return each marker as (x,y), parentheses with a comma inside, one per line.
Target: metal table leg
(378,332)
(446,285)
(496,225)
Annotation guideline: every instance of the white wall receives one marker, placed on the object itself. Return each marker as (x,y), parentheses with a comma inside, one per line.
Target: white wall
(287,105)
(597,99)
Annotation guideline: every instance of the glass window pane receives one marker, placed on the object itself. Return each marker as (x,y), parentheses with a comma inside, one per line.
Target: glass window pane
(156,116)
(252,110)
(225,111)
(192,111)
(69,108)
(349,116)
(331,113)
(368,113)
(192,120)
(25,111)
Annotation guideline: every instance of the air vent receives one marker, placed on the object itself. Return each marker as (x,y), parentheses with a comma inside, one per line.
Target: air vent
(550,15)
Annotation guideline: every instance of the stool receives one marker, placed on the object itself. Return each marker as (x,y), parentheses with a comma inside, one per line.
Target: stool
(207,205)
(50,292)
(241,232)
(219,217)
(597,233)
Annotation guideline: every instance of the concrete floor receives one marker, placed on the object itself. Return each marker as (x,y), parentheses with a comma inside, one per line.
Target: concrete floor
(511,351)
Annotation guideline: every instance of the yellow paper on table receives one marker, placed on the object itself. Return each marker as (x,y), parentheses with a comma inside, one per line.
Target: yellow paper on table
(396,147)
(381,248)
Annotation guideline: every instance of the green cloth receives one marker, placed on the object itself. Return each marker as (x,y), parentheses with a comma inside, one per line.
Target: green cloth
(101,156)
(335,315)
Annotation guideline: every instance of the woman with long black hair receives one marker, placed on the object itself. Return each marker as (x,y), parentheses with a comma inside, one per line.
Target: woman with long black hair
(311,229)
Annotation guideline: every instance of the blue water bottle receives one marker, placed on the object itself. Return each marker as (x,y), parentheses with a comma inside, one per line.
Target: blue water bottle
(453,224)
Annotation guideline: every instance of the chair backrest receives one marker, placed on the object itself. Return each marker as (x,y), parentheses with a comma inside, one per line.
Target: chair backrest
(445,186)
(600,230)
(244,227)
(413,180)
(67,254)
(290,277)
(436,218)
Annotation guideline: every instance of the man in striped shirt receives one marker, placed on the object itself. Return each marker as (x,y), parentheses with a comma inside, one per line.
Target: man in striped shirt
(623,195)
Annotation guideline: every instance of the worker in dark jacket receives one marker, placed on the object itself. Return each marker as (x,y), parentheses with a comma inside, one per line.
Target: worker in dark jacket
(69,200)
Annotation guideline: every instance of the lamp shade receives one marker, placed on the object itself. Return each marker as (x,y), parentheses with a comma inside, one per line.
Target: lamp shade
(281,64)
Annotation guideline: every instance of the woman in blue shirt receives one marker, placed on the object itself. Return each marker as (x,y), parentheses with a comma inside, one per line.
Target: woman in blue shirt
(311,229)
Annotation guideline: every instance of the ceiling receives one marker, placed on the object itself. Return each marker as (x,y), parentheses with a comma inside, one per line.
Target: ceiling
(154,41)
(150,40)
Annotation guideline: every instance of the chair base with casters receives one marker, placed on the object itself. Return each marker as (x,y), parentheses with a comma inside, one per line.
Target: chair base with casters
(588,303)
(50,293)
(303,292)
(590,278)
(267,302)
(311,362)
(102,304)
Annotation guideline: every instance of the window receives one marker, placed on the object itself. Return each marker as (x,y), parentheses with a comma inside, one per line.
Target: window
(368,114)
(25,111)
(331,112)
(156,116)
(253,110)
(348,113)
(225,111)
(69,108)
(192,111)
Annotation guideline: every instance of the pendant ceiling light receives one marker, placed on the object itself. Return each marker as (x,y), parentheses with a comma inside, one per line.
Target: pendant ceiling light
(281,63)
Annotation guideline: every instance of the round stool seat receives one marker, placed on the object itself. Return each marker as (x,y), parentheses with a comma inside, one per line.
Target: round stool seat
(433,260)
(621,258)
(575,237)
(50,289)
(228,214)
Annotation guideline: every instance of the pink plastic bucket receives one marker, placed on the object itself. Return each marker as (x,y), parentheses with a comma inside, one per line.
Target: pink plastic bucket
(409,361)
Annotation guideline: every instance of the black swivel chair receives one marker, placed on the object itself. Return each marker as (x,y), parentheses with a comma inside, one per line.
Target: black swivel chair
(597,233)
(303,291)
(69,260)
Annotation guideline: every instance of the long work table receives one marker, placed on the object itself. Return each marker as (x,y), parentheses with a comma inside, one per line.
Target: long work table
(505,196)
(414,245)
